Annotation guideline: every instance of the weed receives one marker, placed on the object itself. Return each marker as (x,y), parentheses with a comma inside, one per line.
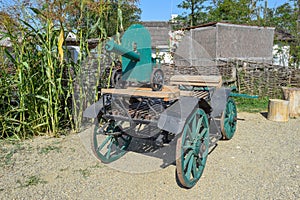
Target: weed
(64,169)
(6,159)
(85,172)
(97,166)
(47,149)
(6,156)
(32,180)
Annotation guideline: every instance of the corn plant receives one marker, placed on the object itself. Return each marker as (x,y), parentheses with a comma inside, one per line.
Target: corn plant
(41,91)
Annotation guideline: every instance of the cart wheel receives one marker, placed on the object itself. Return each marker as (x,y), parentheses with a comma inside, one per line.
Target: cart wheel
(111,146)
(157,80)
(192,149)
(229,120)
(116,78)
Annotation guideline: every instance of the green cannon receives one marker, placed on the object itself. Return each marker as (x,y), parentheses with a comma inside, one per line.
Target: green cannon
(138,66)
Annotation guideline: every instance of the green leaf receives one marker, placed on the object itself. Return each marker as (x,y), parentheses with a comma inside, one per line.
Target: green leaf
(38,12)
(42,98)
(11,58)
(26,65)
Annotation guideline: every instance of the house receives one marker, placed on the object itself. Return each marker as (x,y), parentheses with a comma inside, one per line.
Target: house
(281,48)
(206,44)
(159,31)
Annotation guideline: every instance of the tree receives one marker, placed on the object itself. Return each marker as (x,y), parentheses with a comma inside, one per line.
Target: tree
(285,19)
(130,14)
(195,9)
(233,11)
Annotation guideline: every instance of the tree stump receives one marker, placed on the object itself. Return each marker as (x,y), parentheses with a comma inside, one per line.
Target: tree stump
(278,110)
(293,96)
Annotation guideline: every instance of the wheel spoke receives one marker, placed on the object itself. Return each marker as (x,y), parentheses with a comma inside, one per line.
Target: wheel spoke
(194,125)
(107,154)
(195,167)
(191,136)
(187,146)
(111,147)
(199,124)
(203,132)
(190,166)
(108,138)
(187,159)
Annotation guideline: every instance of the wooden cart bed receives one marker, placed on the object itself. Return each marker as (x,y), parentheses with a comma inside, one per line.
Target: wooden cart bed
(167,93)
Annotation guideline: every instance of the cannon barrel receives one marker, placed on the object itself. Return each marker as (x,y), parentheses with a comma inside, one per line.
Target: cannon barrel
(112,46)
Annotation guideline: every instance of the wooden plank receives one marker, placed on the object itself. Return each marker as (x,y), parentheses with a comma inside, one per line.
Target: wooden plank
(196,84)
(143,92)
(186,93)
(199,94)
(210,81)
(189,78)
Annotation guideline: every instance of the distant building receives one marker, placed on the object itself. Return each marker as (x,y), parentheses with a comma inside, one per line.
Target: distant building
(173,18)
(205,44)
(281,49)
(159,31)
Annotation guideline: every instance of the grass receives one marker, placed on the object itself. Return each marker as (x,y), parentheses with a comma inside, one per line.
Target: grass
(251,105)
(32,180)
(47,149)
(85,172)
(6,154)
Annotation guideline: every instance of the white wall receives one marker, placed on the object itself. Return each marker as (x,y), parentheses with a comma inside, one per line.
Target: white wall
(281,55)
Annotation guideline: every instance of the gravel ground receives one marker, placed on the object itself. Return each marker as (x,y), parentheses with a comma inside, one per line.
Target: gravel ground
(262,161)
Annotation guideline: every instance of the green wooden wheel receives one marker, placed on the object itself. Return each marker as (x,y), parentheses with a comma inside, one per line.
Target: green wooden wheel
(229,120)
(192,149)
(109,143)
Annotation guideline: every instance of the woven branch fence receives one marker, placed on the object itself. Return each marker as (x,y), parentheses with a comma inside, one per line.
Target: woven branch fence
(250,78)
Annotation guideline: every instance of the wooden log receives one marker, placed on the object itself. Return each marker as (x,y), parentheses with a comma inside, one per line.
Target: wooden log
(293,96)
(278,110)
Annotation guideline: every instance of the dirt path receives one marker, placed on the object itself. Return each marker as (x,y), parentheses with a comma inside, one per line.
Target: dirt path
(262,161)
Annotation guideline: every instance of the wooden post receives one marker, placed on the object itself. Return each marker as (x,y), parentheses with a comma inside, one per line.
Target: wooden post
(278,110)
(293,96)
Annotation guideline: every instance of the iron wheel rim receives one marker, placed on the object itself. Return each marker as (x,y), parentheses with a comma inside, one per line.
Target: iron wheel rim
(229,120)
(192,149)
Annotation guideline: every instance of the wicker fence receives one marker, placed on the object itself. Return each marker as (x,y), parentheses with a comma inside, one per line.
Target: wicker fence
(260,78)
(250,78)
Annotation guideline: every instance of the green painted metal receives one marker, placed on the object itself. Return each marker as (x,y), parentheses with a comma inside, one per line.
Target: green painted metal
(109,144)
(229,120)
(135,48)
(112,46)
(243,95)
(192,149)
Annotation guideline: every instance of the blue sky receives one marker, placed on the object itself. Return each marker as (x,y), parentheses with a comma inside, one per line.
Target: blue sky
(161,10)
